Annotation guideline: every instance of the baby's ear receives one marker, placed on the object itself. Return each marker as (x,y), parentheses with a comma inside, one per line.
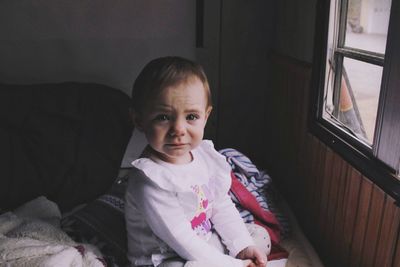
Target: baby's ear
(208,111)
(136,119)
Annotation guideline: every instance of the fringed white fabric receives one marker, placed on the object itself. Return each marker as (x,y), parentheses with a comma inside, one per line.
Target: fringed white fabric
(30,236)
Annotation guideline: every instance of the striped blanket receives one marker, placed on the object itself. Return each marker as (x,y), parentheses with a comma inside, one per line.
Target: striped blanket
(259,184)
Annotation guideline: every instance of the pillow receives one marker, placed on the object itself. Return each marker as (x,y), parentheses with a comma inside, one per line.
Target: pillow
(102,223)
(64,141)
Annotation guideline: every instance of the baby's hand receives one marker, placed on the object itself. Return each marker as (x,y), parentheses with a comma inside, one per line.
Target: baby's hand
(258,259)
(248,263)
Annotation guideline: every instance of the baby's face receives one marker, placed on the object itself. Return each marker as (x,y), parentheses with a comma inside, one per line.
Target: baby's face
(174,121)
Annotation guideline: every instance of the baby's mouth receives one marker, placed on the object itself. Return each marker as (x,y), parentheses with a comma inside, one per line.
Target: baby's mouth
(177,144)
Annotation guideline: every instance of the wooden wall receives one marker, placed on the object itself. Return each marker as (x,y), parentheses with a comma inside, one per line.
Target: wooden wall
(348,219)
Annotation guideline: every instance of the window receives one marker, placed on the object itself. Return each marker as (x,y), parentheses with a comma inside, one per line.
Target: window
(358,84)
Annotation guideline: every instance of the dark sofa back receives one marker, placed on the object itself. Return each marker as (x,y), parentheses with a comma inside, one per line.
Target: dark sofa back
(64,141)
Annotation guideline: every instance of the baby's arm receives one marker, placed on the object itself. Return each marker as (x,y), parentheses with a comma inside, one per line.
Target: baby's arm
(230,226)
(166,218)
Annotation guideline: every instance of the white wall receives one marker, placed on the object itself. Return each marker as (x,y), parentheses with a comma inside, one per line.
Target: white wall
(375,16)
(99,41)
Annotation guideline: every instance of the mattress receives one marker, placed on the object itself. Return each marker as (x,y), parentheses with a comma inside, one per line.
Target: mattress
(301,252)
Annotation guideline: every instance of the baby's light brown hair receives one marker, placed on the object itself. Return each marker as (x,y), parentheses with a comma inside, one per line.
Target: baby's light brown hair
(163,72)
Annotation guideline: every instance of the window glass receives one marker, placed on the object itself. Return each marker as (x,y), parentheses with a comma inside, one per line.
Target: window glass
(367,24)
(351,100)
(359,97)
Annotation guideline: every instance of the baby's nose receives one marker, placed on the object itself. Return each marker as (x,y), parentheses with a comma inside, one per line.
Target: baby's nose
(178,128)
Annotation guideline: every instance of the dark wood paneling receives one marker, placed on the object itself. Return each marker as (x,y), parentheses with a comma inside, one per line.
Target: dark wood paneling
(361,223)
(373,227)
(396,256)
(319,172)
(337,233)
(350,220)
(324,198)
(351,199)
(332,207)
(387,240)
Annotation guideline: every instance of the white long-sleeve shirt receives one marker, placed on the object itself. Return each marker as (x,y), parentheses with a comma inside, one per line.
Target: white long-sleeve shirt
(174,208)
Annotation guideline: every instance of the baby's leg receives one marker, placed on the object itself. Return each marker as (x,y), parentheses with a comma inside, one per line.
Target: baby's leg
(174,262)
(260,237)
(258,233)
(214,241)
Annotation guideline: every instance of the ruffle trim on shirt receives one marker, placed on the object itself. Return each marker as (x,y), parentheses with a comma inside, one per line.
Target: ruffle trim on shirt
(164,178)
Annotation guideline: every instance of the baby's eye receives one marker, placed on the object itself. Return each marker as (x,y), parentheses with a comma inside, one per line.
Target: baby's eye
(162,117)
(192,117)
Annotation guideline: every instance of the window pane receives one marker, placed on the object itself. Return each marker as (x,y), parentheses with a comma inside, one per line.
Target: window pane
(359,97)
(367,24)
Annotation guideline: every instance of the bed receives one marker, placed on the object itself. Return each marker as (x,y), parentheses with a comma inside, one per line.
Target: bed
(62,184)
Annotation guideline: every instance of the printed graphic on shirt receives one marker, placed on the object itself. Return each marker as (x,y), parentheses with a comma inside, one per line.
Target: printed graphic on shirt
(201,221)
